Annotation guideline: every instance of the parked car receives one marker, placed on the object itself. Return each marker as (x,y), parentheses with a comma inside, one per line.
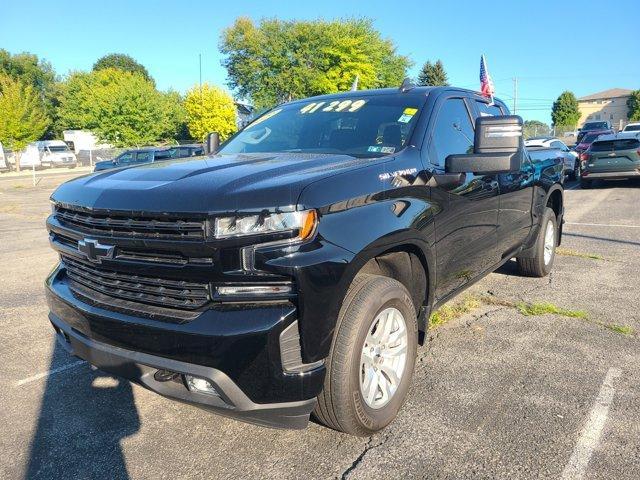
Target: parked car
(56,153)
(631,127)
(149,155)
(292,271)
(569,157)
(592,127)
(588,139)
(570,162)
(610,158)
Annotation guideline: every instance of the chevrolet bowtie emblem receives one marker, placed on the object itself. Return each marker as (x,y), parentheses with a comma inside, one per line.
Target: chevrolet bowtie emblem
(94,250)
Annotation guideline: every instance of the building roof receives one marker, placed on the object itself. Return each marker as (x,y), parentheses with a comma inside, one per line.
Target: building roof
(611,93)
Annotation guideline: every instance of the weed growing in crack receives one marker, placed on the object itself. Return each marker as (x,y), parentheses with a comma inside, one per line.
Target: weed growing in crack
(543,308)
(573,253)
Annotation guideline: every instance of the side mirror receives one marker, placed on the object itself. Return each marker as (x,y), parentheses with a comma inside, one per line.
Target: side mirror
(211,143)
(497,147)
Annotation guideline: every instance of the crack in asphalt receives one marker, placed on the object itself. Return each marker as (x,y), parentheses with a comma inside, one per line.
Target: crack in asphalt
(367,447)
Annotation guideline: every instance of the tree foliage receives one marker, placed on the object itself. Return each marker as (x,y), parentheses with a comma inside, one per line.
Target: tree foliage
(30,70)
(122,62)
(210,109)
(565,111)
(23,118)
(277,60)
(433,74)
(633,104)
(121,108)
(534,128)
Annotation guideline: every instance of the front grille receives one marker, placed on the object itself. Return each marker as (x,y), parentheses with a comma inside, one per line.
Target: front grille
(136,255)
(123,225)
(139,289)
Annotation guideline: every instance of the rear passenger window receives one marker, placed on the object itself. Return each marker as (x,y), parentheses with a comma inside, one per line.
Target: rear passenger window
(453,131)
(487,110)
(143,157)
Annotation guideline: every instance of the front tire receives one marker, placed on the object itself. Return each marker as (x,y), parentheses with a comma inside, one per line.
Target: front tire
(372,357)
(544,250)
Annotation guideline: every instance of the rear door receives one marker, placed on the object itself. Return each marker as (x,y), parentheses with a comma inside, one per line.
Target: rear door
(466,238)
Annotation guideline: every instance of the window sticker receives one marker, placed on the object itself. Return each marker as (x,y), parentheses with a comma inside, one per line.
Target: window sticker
(264,117)
(333,106)
(407,115)
(374,149)
(388,149)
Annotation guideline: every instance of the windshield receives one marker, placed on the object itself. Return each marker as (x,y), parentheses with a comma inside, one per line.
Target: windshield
(58,148)
(595,126)
(590,138)
(367,126)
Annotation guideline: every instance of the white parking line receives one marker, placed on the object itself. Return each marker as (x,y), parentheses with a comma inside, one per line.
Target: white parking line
(49,373)
(591,432)
(610,225)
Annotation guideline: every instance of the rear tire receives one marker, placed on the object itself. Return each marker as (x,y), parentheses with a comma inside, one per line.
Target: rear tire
(544,250)
(575,175)
(374,308)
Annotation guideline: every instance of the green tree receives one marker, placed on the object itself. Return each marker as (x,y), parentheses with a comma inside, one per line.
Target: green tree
(533,128)
(121,108)
(23,118)
(210,109)
(565,111)
(633,103)
(278,61)
(433,75)
(30,70)
(122,62)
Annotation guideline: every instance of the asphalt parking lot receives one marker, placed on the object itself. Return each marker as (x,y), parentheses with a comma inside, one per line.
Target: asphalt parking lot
(496,393)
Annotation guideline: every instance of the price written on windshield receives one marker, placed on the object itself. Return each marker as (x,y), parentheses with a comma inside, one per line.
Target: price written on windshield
(334,106)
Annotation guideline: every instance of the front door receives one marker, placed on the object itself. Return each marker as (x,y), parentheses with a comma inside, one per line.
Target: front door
(466,237)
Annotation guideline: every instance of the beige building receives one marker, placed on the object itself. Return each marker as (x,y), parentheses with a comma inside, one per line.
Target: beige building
(610,105)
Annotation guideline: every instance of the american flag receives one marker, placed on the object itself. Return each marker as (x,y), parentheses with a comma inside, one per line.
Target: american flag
(486,84)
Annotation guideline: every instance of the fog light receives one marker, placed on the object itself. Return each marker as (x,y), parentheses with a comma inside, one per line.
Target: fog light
(250,290)
(200,385)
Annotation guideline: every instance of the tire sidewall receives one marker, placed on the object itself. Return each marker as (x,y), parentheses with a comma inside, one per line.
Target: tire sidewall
(391,296)
(549,216)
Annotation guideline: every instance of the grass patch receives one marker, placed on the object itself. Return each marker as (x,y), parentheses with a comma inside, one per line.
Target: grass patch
(621,329)
(18,186)
(446,313)
(573,253)
(544,308)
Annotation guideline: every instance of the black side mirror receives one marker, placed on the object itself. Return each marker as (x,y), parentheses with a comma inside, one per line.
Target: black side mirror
(497,147)
(211,143)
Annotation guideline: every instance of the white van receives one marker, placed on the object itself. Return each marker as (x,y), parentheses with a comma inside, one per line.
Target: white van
(55,153)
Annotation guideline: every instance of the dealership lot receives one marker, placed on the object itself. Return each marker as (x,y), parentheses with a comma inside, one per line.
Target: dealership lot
(496,393)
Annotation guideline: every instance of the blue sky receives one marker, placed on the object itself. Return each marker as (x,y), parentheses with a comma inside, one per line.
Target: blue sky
(584,46)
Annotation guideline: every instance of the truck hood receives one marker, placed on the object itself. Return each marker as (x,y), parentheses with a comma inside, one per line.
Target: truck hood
(214,184)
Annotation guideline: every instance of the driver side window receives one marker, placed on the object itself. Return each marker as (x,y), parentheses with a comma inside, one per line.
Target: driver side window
(453,132)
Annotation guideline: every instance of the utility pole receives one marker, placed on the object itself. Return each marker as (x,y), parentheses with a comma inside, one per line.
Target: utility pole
(515,94)
(200,63)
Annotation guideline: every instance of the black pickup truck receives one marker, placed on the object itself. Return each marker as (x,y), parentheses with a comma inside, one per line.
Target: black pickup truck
(292,271)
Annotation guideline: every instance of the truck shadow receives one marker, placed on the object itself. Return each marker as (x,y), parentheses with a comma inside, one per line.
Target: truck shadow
(83,417)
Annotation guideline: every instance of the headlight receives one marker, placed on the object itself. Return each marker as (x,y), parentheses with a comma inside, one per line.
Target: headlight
(243,225)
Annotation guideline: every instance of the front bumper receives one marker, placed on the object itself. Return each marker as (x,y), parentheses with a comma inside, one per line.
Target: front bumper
(237,350)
